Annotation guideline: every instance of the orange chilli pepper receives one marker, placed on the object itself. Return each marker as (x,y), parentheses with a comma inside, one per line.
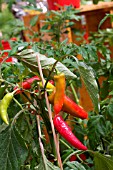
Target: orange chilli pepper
(60,92)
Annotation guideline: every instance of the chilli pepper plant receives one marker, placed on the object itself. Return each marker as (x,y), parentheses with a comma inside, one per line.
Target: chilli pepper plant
(43,124)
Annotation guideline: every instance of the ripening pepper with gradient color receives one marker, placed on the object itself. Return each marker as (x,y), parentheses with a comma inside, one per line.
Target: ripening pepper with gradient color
(70,107)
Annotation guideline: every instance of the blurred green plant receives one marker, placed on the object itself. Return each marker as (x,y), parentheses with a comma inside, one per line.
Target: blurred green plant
(9,25)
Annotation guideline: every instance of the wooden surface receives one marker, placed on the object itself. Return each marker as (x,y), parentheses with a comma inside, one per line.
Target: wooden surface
(93,15)
(93,7)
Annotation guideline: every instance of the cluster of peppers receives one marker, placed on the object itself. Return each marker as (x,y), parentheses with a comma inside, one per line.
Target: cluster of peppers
(63,103)
(60,102)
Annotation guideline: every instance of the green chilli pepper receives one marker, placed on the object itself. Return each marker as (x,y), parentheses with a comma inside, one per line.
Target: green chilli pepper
(4,104)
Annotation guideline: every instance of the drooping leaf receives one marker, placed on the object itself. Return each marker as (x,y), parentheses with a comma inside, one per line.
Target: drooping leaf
(88,77)
(13,150)
(102,162)
(29,57)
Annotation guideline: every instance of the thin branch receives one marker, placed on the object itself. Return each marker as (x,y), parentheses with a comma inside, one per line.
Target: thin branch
(17,115)
(16,101)
(3,80)
(74,92)
(65,144)
(40,142)
(75,152)
(50,115)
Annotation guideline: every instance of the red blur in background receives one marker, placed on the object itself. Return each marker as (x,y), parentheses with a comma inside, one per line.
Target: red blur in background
(52,6)
(6,46)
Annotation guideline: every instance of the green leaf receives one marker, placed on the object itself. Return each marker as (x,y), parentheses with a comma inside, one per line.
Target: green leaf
(111,149)
(98,128)
(3,126)
(2,91)
(29,58)
(111,93)
(69,24)
(64,42)
(49,165)
(56,13)
(13,51)
(102,162)
(44,28)
(109,112)
(104,90)
(88,77)
(75,166)
(103,20)
(88,52)
(33,21)
(13,151)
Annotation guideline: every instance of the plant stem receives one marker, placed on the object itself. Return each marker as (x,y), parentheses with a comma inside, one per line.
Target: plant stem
(16,101)
(66,144)
(41,145)
(50,115)
(44,117)
(2,80)
(74,93)
(50,73)
(17,115)
(75,152)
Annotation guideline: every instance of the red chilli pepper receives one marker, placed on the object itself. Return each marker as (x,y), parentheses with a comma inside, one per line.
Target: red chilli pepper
(60,92)
(65,131)
(52,82)
(74,157)
(69,106)
(26,84)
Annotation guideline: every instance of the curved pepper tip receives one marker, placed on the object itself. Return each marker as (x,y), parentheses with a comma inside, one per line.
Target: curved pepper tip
(6,122)
(84,148)
(4,118)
